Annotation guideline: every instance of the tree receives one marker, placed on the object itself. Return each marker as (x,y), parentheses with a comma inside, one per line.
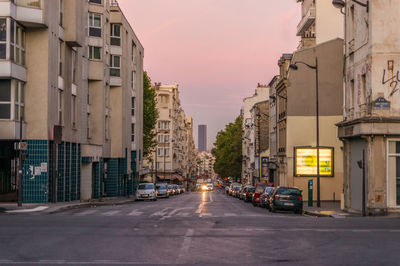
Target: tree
(150,116)
(228,150)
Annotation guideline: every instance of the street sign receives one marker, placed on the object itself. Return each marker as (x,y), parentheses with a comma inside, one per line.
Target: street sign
(381,104)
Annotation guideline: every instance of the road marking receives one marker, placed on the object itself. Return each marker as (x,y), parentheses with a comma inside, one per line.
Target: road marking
(199,208)
(135,213)
(187,241)
(110,213)
(230,214)
(211,198)
(86,212)
(184,214)
(205,214)
(174,211)
(37,209)
(163,212)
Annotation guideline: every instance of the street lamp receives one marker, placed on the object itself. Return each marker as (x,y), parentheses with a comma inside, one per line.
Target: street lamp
(342,4)
(315,67)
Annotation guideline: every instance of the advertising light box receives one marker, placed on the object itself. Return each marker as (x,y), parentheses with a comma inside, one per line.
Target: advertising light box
(305,161)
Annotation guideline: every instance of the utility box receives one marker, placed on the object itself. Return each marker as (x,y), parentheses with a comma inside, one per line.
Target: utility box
(310,193)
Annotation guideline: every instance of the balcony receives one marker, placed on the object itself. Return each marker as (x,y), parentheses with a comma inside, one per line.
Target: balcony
(28,12)
(306,21)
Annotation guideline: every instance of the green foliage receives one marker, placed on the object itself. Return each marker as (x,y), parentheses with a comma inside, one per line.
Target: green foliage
(228,150)
(150,116)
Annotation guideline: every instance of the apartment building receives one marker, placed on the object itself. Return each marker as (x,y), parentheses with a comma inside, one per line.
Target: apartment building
(56,79)
(249,172)
(320,22)
(370,128)
(205,165)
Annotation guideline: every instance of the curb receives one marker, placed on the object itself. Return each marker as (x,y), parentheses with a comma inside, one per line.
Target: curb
(317,214)
(89,205)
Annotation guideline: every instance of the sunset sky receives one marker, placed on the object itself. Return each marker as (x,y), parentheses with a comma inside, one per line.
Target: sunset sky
(216,50)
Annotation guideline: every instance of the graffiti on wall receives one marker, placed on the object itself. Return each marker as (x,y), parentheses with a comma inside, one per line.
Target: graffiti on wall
(391,78)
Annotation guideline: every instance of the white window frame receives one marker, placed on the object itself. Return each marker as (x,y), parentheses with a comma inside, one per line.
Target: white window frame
(159,151)
(113,65)
(91,53)
(91,23)
(19,99)
(113,26)
(166,152)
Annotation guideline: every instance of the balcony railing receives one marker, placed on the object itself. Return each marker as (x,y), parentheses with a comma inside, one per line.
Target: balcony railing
(306,21)
(28,3)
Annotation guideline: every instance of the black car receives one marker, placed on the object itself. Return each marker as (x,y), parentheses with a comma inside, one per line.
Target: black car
(265,197)
(286,199)
(249,194)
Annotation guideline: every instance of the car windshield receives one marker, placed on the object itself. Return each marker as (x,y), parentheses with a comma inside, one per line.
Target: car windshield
(146,186)
(260,188)
(209,185)
(269,190)
(161,187)
(288,191)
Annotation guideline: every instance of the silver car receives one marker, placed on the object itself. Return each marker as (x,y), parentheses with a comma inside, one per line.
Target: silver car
(146,191)
(162,191)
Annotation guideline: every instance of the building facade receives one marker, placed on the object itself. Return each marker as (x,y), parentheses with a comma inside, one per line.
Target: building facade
(202,134)
(370,128)
(66,123)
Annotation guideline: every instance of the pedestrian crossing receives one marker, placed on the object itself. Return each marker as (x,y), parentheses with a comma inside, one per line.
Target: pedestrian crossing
(162,214)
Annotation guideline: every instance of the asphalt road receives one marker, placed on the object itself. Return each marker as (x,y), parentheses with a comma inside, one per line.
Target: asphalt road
(207,228)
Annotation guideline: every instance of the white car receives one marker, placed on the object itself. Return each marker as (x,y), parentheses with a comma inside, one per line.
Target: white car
(146,191)
(207,187)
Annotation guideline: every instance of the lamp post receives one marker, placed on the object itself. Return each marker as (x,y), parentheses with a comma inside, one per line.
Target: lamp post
(315,67)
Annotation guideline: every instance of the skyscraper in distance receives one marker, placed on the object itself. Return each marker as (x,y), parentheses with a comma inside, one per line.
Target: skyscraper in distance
(202,138)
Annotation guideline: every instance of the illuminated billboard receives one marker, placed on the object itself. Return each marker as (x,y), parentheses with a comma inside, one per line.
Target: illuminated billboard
(305,161)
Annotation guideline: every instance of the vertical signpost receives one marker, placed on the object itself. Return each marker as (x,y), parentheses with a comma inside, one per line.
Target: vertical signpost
(310,193)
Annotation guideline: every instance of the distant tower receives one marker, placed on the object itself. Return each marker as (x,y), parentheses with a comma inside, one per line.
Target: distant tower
(202,138)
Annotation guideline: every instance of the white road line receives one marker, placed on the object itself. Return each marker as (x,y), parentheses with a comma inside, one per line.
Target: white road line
(163,212)
(199,208)
(184,214)
(187,241)
(174,211)
(205,214)
(135,213)
(110,213)
(86,212)
(211,198)
(37,209)
(230,214)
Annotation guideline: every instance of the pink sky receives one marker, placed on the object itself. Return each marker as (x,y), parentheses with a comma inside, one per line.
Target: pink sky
(216,50)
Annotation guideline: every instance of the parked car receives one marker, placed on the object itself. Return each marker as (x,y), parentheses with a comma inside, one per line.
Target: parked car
(264,197)
(236,191)
(249,194)
(183,189)
(162,191)
(146,191)
(243,193)
(227,190)
(287,199)
(231,188)
(172,191)
(177,189)
(259,189)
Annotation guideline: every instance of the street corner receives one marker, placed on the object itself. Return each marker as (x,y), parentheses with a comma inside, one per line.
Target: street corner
(26,210)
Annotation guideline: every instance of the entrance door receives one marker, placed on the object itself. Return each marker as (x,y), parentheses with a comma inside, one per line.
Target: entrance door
(394,174)
(356,154)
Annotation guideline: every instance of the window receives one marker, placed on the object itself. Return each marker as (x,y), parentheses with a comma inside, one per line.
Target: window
(133,51)
(73,111)
(351,98)
(5,99)
(60,106)
(60,58)
(94,53)
(160,138)
(3,37)
(73,66)
(60,2)
(94,24)
(133,106)
(28,3)
(166,138)
(115,34)
(95,2)
(19,100)
(133,132)
(115,65)
(133,80)
(159,152)
(364,88)
(166,152)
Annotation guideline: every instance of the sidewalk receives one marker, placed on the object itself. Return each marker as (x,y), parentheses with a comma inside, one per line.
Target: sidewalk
(12,208)
(327,209)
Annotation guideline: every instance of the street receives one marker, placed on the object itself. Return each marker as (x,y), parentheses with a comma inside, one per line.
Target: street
(203,228)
